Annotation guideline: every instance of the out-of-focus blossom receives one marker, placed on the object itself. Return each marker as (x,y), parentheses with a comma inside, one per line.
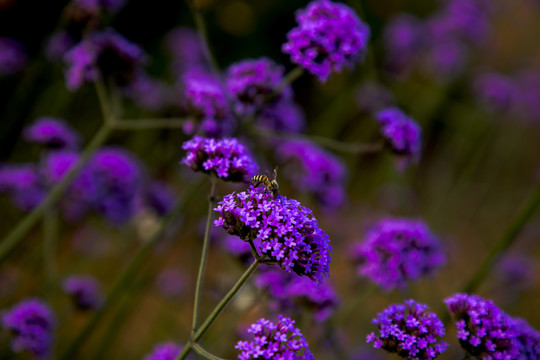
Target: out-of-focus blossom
(285,231)
(445,59)
(225,158)
(85,291)
(404,39)
(187,51)
(528,340)
(329,36)
(410,331)
(24,184)
(57,45)
(282,116)
(395,251)
(516,272)
(159,197)
(496,92)
(171,283)
(164,351)
(149,93)
(239,249)
(52,133)
(373,96)
(32,324)
(12,56)
(274,341)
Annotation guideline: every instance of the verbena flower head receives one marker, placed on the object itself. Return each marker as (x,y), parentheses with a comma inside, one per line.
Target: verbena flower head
(315,170)
(251,82)
(32,324)
(24,184)
(275,341)
(495,91)
(164,351)
(106,52)
(12,56)
(283,230)
(528,340)
(85,291)
(160,197)
(484,330)
(329,36)
(225,158)
(409,330)
(402,134)
(395,251)
(53,133)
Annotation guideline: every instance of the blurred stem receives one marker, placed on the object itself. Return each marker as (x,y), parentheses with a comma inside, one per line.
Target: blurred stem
(50,241)
(126,277)
(30,220)
(199,350)
(504,242)
(217,310)
(201,28)
(204,255)
(145,124)
(289,78)
(106,110)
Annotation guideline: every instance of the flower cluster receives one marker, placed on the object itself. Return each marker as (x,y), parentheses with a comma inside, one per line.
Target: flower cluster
(284,230)
(329,36)
(24,184)
(52,133)
(402,134)
(12,56)
(409,330)
(271,341)
(495,91)
(225,158)
(85,291)
(164,351)
(32,324)
(528,340)
(395,251)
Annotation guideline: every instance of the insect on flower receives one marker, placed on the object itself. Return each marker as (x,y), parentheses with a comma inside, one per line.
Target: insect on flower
(271,184)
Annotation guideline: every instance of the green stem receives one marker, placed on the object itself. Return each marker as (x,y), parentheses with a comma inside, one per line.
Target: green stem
(201,351)
(30,220)
(145,124)
(106,110)
(289,78)
(504,242)
(204,255)
(217,310)
(50,240)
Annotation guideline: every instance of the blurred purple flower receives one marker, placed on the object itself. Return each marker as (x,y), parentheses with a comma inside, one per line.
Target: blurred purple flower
(271,341)
(462,19)
(85,291)
(395,251)
(410,331)
(239,249)
(329,36)
(404,38)
(160,197)
(57,45)
(12,56)
(516,272)
(286,231)
(496,92)
(528,340)
(446,59)
(32,324)
(149,93)
(282,116)
(187,51)
(23,183)
(225,158)
(164,351)
(53,133)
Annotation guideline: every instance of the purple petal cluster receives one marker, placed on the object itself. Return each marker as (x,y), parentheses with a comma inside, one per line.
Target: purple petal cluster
(52,133)
(410,331)
(85,291)
(329,36)
(251,82)
(402,134)
(395,251)
(284,230)
(164,351)
(24,185)
(225,158)
(314,170)
(12,56)
(274,341)
(32,324)
(107,53)
(528,340)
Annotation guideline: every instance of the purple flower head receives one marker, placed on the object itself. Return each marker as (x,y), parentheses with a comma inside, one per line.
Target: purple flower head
(528,340)
(160,197)
(12,56)
(171,283)
(282,116)
(495,91)
(484,330)
(404,35)
(225,158)
(446,59)
(315,170)
(274,341)
(402,134)
(32,324)
(395,251)
(164,351)
(24,184)
(284,230)
(106,52)
(53,133)
(328,37)
(207,105)
(186,48)
(516,272)
(85,291)
(409,330)
(252,82)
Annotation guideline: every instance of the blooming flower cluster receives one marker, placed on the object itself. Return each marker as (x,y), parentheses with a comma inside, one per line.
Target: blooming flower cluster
(402,134)
(329,36)
(284,230)
(52,133)
(24,184)
(274,341)
(409,330)
(12,56)
(395,251)
(164,351)
(32,324)
(225,158)
(85,291)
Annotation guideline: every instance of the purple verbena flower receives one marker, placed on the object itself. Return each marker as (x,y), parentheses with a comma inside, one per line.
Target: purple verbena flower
(395,251)
(402,134)
(12,56)
(410,331)
(528,340)
(445,59)
(164,351)
(285,231)
(495,91)
(53,133)
(329,36)
(403,36)
(274,341)
(225,158)
(32,324)
(24,184)
(239,249)
(159,197)
(85,291)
